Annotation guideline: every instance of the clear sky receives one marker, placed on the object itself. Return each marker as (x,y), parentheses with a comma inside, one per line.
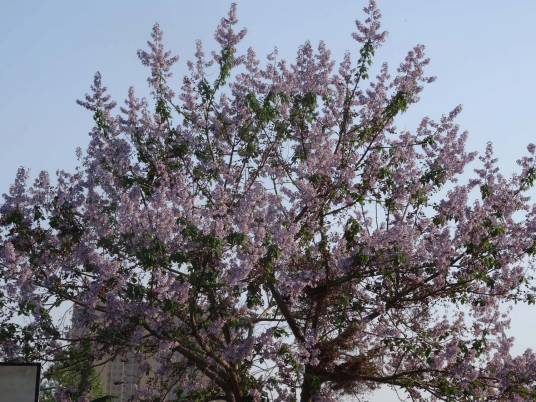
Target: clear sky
(482,52)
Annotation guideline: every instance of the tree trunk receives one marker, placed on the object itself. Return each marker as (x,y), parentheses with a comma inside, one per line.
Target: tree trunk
(310,387)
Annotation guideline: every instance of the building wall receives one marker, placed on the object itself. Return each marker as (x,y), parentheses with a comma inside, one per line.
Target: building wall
(121,378)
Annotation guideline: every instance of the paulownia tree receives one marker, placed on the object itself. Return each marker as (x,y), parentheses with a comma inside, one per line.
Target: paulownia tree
(264,231)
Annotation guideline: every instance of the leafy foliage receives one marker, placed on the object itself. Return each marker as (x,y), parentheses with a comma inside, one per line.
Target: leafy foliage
(270,234)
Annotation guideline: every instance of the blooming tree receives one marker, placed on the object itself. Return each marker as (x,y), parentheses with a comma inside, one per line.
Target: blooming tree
(265,232)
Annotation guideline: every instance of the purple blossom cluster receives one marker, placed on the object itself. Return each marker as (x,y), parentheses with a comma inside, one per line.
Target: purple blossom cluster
(265,231)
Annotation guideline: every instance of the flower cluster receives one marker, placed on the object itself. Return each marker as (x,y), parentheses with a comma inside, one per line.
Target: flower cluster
(265,231)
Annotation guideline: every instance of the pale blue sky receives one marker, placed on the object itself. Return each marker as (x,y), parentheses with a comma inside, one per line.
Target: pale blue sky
(482,52)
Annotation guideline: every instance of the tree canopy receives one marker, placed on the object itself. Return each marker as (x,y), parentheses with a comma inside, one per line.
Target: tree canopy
(264,231)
